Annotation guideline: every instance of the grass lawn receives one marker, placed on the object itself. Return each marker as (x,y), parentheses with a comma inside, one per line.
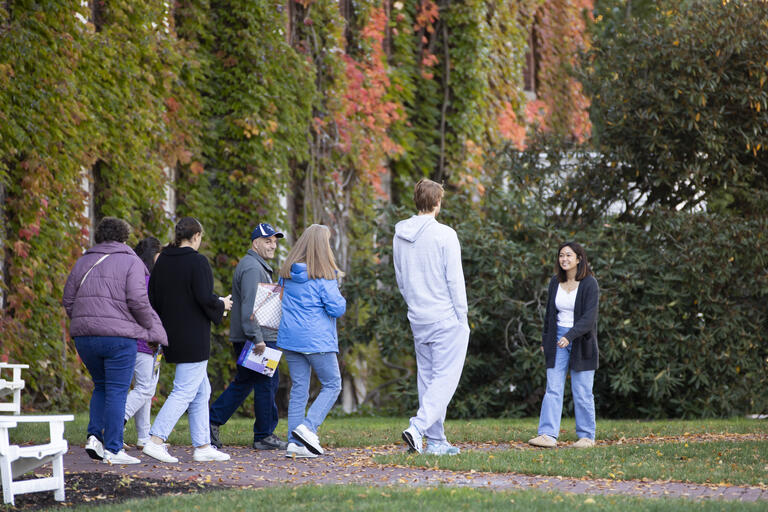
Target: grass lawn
(355,432)
(736,463)
(347,498)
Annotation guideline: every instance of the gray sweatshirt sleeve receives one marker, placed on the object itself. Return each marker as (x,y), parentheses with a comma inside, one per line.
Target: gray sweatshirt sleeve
(249,282)
(454,276)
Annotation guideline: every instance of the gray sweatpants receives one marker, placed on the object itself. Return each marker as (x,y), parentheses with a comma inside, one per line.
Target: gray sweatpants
(441,348)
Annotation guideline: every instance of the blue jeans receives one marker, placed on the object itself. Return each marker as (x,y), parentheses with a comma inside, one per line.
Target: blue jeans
(110,361)
(264,390)
(583,399)
(326,366)
(191,391)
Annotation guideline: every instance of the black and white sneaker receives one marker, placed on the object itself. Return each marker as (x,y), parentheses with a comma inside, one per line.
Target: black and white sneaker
(94,448)
(308,439)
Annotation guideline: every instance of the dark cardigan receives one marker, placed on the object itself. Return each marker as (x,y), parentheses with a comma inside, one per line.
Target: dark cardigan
(583,334)
(181,291)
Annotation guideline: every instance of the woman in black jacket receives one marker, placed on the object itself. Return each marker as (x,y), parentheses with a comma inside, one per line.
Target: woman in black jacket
(569,340)
(181,291)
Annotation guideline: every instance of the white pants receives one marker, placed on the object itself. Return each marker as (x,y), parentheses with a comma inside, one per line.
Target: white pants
(440,352)
(139,402)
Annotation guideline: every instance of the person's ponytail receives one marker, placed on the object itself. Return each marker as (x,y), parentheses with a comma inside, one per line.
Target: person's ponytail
(185,229)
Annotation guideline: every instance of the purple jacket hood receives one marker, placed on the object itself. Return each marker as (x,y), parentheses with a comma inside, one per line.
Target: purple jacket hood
(112,301)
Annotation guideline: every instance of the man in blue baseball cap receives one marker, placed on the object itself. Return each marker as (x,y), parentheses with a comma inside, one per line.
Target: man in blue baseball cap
(250,271)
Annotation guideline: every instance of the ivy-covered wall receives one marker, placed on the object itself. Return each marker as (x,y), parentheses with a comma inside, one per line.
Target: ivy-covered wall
(289,111)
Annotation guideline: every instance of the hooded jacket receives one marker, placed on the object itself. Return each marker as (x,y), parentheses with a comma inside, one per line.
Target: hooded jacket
(112,301)
(181,291)
(310,310)
(428,269)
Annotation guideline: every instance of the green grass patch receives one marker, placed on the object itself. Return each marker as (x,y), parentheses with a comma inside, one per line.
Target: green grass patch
(361,432)
(355,498)
(737,463)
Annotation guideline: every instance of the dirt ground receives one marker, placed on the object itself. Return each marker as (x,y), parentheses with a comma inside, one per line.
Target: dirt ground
(104,488)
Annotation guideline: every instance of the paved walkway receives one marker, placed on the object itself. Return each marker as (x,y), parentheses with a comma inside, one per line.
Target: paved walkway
(250,469)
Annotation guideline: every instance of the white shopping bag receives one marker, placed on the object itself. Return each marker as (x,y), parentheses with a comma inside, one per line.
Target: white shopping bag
(268,306)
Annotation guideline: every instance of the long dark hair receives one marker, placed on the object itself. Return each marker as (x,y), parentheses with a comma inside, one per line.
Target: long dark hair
(185,229)
(582,269)
(146,249)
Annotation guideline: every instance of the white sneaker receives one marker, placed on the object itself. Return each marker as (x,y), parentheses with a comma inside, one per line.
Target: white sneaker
(159,452)
(298,451)
(412,438)
(208,454)
(119,458)
(141,443)
(543,441)
(308,439)
(94,448)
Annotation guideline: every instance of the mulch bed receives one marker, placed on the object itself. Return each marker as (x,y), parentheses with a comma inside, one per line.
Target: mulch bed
(105,488)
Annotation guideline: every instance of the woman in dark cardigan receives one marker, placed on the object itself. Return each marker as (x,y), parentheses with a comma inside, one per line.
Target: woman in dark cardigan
(569,340)
(181,291)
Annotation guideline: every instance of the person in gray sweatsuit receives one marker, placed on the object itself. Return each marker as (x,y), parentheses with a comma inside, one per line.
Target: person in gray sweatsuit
(427,259)
(250,271)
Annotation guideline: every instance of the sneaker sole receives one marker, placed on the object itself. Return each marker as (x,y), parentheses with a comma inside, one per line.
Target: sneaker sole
(297,456)
(258,446)
(408,438)
(306,443)
(159,459)
(92,454)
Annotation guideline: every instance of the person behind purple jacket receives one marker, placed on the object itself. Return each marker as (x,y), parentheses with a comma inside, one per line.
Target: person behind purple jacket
(106,299)
(145,374)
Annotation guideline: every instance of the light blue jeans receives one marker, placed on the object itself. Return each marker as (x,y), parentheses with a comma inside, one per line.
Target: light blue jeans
(191,391)
(581,387)
(326,367)
(138,405)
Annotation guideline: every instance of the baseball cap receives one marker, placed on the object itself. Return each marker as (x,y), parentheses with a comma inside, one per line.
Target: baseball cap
(265,230)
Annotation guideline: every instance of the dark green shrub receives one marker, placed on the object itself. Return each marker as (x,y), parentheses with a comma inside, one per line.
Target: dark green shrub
(680,107)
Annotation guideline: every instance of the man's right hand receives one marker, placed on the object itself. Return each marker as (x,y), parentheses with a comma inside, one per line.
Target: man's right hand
(258,348)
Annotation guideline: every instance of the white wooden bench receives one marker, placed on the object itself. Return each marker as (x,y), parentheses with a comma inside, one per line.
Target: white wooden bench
(17,460)
(12,387)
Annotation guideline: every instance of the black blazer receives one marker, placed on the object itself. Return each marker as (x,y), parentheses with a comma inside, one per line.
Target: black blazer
(181,291)
(583,334)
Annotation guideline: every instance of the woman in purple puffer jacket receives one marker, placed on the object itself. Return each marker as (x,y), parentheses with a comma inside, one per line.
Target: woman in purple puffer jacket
(138,405)
(106,300)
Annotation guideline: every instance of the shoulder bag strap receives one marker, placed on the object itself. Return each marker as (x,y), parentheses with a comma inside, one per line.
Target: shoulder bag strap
(92,267)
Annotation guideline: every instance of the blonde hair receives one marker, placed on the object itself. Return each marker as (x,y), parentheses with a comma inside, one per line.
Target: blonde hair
(314,249)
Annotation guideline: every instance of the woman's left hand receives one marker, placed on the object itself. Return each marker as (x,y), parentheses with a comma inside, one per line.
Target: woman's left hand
(563,342)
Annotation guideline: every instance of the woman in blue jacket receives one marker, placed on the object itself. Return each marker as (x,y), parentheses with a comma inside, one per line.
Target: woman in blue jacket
(307,335)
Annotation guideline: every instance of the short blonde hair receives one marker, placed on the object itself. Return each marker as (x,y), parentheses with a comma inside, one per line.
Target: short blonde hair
(314,249)
(427,194)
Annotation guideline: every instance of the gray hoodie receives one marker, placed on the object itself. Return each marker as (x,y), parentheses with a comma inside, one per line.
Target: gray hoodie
(428,270)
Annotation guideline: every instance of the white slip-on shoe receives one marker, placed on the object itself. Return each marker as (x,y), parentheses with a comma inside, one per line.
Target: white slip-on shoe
(159,452)
(209,454)
(94,448)
(412,438)
(298,451)
(543,441)
(584,442)
(308,439)
(119,458)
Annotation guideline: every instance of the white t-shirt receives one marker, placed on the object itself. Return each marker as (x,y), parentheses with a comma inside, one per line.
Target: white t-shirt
(565,302)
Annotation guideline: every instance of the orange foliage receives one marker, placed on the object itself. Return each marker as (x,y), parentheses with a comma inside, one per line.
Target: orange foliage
(366,114)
